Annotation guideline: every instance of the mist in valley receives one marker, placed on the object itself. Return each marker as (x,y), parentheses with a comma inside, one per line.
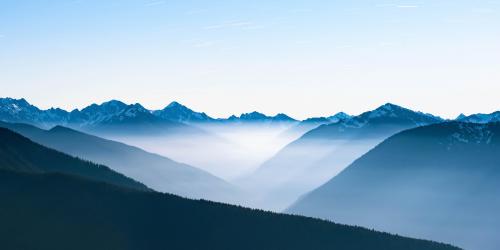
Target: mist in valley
(299,168)
(269,166)
(229,151)
(263,162)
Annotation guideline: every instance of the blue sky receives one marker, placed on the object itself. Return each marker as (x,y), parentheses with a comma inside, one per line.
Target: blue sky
(304,58)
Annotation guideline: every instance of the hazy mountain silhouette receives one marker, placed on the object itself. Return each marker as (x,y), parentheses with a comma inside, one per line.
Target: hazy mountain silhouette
(312,123)
(112,117)
(321,153)
(114,112)
(115,117)
(55,211)
(480,118)
(180,113)
(19,110)
(386,119)
(256,117)
(18,153)
(437,182)
(157,172)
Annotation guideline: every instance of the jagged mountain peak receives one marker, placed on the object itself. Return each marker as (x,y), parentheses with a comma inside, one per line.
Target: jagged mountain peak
(392,111)
(180,113)
(382,121)
(253,116)
(15,104)
(134,108)
(260,117)
(283,117)
(388,109)
(480,118)
(316,120)
(111,106)
(113,102)
(176,104)
(9,100)
(338,117)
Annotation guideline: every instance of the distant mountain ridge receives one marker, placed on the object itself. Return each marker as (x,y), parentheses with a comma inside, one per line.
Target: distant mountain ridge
(310,123)
(480,118)
(256,117)
(19,110)
(180,113)
(115,112)
(386,118)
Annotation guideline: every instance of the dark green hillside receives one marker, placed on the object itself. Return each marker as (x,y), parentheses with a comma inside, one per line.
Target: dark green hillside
(55,211)
(21,154)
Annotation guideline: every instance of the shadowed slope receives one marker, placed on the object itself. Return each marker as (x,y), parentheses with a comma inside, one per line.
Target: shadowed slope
(438,182)
(18,153)
(62,212)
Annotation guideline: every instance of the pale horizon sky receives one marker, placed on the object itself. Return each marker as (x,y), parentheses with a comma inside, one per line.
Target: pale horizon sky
(303,58)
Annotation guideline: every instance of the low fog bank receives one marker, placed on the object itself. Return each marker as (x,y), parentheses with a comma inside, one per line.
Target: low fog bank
(269,170)
(299,168)
(227,151)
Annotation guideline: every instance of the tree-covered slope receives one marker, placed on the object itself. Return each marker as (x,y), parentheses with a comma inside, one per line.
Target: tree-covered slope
(55,211)
(18,153)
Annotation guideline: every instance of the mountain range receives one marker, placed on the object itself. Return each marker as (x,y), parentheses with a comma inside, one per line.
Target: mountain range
(437,182)
(54,201)
(480,118)
(114,111)
(116,114)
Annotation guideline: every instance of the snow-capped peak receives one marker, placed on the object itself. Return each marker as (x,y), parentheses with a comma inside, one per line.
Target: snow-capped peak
(480,118)
(175,104)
